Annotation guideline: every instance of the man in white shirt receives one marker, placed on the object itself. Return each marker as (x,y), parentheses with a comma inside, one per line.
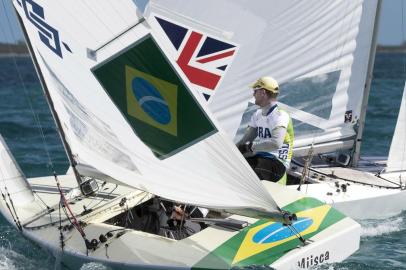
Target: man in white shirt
(271,128)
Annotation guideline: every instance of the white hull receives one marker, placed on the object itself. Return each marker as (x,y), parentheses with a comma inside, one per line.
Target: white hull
(140,250)
(360,201)
(114,227)
(364,195)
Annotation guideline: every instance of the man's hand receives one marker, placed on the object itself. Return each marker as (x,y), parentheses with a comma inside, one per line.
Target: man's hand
(178,213)
(245,148)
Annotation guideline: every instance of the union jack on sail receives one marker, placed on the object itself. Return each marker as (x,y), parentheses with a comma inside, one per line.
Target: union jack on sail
(203,59)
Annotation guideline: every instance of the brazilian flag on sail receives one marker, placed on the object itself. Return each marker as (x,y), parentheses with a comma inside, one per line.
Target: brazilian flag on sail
(153,99)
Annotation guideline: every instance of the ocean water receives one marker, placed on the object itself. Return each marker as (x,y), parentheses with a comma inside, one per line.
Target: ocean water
(383,242)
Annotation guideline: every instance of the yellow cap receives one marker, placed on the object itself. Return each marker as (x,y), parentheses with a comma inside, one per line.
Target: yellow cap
(267,83)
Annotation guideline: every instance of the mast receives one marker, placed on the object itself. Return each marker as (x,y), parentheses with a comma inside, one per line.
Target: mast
(68,151)
(364,104)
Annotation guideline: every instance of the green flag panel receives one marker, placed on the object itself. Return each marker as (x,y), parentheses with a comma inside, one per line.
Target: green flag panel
(153,99)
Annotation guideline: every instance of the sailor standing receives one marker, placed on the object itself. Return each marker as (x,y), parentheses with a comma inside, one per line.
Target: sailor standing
(271,128)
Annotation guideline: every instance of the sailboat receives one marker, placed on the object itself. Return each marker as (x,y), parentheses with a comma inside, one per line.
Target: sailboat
(146,151)
(323,56)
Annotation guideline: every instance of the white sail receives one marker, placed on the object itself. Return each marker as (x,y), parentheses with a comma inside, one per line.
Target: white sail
(101,72)
(13,183)
(397,152)
(318,51)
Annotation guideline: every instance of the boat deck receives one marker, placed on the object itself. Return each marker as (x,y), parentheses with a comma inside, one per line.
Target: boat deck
(46,189)
(368,172)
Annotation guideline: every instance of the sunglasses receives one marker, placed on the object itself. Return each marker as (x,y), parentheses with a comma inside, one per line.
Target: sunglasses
(256,90)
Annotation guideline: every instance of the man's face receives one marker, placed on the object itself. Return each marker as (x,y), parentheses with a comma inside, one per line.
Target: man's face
(261,99)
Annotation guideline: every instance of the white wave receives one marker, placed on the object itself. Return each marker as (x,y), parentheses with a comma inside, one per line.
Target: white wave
(94,266)
(5,262)
(380,227)
(11,260)
(334,266)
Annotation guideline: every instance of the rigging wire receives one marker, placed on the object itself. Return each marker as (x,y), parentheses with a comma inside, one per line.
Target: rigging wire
(11,212)
(404,76)
(104,198)
(72,218)
(14,210)
(297,234)
(74,221)
(50,166)
(37,121)
(306,171)
(61,238)
(41,200)
(29,97)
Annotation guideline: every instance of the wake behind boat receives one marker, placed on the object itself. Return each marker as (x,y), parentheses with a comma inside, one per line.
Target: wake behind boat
(141,142)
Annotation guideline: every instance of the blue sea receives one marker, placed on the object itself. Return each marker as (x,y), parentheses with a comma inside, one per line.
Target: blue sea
(383,242)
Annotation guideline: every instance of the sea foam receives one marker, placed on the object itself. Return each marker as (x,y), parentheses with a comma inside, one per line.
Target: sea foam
(372,228)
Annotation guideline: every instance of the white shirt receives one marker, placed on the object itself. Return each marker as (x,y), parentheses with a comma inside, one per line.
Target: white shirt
(272,139)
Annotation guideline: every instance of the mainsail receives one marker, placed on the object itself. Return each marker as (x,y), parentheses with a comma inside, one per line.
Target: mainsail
(317,50)
(127,109)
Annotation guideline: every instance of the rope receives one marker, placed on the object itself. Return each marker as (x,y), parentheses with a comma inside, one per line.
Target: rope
(306,167)
(71,219)
(36,194)
(74,221)
(12,206)
(61,238)
(297,234)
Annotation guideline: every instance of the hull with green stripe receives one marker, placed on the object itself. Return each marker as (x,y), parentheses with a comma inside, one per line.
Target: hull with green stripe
(242,250)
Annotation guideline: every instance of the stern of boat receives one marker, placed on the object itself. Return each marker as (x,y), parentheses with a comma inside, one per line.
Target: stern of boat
(329,236)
